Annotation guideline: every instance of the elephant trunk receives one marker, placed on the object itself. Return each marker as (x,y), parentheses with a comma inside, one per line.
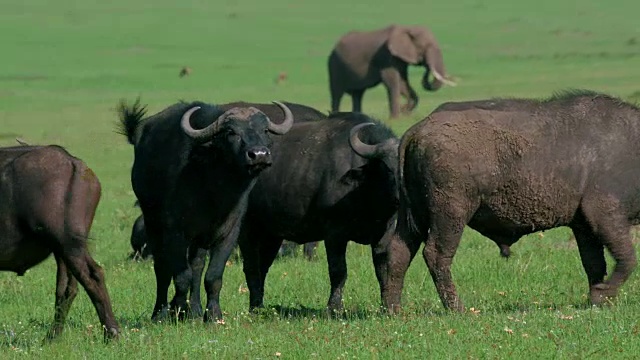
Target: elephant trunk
(426,84)
(435,65)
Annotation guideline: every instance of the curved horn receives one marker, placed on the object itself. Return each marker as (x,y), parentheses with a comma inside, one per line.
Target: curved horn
(286,125)
(201,135)
(360,148)
(444,80)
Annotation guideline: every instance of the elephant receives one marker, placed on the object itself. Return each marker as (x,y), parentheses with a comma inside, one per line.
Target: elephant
(363,59)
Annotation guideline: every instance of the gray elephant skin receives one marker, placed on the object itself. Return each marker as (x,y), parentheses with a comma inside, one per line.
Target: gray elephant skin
(363,59)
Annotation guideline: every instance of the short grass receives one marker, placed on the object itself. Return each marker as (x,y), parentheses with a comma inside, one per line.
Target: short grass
(65,64)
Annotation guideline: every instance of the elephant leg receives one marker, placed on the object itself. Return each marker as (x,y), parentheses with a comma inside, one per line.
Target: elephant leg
(392,81)
(336,97)
(408,93)
(356,99)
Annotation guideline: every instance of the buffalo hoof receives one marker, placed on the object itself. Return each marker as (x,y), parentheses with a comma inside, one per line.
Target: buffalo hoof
(393,309)
(110,334)
(195,312)
(336,313)
(455,307)
(212,315)
(53,333)
(391,301)
(601,293)
(160,314)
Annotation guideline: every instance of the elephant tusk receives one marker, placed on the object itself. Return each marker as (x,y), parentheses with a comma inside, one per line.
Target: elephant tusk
(442,79)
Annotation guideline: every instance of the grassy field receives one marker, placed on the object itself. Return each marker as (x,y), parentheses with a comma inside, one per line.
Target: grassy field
(65,64)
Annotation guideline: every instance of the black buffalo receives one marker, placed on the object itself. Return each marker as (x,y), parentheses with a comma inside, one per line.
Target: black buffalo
(142,246)
(509,167)
(49,201)
(194,166)
(325,184)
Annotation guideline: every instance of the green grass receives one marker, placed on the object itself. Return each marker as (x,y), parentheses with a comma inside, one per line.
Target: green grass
(65,64)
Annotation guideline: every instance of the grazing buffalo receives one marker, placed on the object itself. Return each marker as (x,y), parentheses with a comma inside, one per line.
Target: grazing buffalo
(194,166)
(49,201)
(511,167)
(325,184)
(142,247)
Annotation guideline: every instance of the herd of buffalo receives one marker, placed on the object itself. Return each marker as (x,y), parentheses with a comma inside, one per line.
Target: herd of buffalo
(209,177)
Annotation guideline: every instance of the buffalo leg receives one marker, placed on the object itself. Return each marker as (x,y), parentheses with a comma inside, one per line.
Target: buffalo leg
(447,225)
(197,259)
(163,280)
(268,253)
(91,276)
(256,264)
(613,231)
(156,235)
(310,250)
(591,254)
(392,256)
(218,256)
(337,262)
(66,291)
(251,268)
(181,272)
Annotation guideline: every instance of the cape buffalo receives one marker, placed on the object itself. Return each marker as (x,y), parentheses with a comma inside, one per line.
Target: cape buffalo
(325,184)
(509,167)
(194,166)
(49,201)
(142,246)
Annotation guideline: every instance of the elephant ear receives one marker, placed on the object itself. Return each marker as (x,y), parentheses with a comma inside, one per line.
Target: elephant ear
(401,45)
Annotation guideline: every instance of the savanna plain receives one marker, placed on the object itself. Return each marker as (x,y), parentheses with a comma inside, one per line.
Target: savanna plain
(66,64)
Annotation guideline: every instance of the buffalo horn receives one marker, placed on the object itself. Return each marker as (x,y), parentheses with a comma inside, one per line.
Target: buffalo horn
(360,148)
(286,125)
(202,135)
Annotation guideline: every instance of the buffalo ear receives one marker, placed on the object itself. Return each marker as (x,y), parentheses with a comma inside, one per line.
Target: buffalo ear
(353,176)
(401,45)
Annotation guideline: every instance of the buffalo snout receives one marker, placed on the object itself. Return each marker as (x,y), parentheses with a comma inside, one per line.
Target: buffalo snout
(258,158)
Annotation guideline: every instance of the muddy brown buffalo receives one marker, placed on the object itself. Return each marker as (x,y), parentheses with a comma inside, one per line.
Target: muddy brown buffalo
(510,167)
